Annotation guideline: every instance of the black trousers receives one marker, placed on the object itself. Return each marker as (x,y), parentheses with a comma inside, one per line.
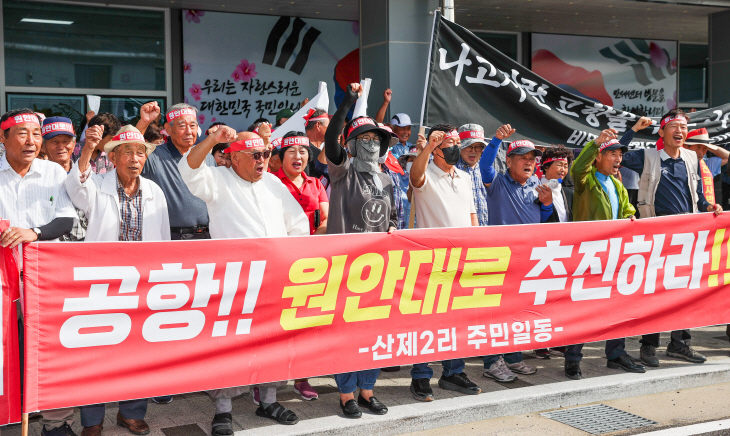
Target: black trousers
(185,236)
(676,336)
(634,200)
(615,348)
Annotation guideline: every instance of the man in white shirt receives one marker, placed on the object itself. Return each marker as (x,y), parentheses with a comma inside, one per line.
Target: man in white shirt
(443,198)
(32,198)
(244,201)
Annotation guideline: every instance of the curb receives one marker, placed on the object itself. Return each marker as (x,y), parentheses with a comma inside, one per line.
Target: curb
(465,409)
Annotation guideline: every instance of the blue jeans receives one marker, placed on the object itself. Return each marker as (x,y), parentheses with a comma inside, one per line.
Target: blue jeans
(94,414)
(509,358)
(614,349)
(451,367)
(347,382)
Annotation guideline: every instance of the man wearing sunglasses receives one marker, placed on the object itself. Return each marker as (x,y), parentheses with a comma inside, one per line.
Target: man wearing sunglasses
(244,201)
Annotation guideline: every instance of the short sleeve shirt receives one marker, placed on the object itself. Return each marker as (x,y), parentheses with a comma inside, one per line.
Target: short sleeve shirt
(444,200)
(309,196)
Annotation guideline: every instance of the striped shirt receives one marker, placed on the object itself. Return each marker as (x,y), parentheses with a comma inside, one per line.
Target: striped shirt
(35,199)
(478,190)
(130,208)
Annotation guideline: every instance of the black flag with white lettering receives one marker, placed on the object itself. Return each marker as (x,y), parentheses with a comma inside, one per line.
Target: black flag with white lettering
(470,81)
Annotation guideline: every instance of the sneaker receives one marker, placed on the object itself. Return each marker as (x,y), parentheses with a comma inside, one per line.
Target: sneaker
(162,400)
(543,353)
(521,368)
(459,383)
(306,391)
(421,389)
(684,351)
(647,356)
(64,430)
(256,397)
(499,372)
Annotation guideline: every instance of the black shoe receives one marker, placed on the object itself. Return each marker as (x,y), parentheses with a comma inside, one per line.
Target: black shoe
(421,389)
(543,353)
(459,383)
(684,351)
(624,362)
(390,369)
(572,370)
(222,424)
(350,409)
(373,404)
(647,355)
(64,430)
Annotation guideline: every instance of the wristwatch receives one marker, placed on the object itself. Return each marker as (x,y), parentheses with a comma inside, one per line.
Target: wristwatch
(38,232)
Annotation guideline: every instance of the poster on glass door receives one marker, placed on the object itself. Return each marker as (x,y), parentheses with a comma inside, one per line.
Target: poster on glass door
(634,75)
(239,67)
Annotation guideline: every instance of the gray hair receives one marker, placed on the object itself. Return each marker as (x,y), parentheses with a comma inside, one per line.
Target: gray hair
(178,106)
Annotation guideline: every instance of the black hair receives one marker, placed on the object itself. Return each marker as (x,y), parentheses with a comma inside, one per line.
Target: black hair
(440,128)
(153,132)
(317,112)
(557,151)
(282,149)
(107,119)
(257,123)
(219,147)
(217,123)
(14,112)
(675,112)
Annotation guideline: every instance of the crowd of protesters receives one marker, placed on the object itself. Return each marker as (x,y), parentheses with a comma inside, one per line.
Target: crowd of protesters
(158,180)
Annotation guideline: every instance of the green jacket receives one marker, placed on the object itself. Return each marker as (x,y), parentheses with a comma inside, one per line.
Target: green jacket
(591,202)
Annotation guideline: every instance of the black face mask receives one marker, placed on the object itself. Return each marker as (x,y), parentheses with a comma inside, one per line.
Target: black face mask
(451,154)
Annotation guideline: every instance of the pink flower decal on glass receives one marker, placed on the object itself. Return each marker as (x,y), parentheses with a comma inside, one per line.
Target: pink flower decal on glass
(186,100)
(193,16)
(672,102)
(658,55)
(244,71)
(201,118)
(195,91)
(187,68)
(212,120)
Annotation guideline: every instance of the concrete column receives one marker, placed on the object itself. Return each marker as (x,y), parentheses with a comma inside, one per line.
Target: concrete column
(395,36)
(719,40)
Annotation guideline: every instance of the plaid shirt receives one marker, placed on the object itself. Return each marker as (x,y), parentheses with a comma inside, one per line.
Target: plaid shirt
(130,208)
(478,190)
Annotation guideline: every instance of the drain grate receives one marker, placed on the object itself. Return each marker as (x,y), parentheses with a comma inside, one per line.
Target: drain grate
(598,419)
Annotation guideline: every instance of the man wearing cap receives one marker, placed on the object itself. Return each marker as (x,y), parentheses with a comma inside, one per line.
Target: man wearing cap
(361,200)
(669,185)
(511,199)
(59,141)
(699,142)
(443,198)
(473,145)
(120,206)
(32,198)
(283,116)
(401,125)
(599,195)
(243,201)
(188,214)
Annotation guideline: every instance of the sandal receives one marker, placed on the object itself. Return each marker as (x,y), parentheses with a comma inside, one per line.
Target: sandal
(278,413)
(222,424)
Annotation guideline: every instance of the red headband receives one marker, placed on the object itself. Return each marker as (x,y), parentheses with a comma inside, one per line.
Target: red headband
(180,112)
(129,136)
(520,143)
(275,143)
(359,122)
(554,159)
(451,134)
(670,118)
(57,127)
(471,134)
(295,140)
(244,144)
(19,119)
(697,132)
(607,144)
(308,117)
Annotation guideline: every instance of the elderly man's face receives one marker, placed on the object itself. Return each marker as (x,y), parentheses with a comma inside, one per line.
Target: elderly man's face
(59,148)
(403,133)
(250,164)
(183,131)
(674,133)
(699,149)
(129,160)
(22,143)
(472,153)
(521,166)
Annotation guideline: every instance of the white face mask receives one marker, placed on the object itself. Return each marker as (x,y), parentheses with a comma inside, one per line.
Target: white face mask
(408,167)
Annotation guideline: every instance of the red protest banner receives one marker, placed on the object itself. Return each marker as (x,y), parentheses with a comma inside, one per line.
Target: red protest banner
(9,359)
(116,321)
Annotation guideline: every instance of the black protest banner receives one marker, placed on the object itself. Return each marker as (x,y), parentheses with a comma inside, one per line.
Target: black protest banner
(470,81)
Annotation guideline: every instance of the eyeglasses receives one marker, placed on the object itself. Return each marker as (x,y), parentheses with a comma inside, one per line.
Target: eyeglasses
(367,140)
(476,148)
(256,155)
